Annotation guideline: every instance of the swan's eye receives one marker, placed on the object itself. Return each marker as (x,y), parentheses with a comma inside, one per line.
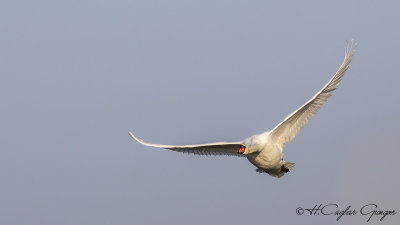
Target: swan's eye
(241,150)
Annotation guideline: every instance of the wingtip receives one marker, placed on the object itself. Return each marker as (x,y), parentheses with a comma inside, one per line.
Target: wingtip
(350,47)
(133,136)
(139,140)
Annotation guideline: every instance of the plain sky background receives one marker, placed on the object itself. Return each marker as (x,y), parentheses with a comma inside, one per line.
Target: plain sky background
(76,76)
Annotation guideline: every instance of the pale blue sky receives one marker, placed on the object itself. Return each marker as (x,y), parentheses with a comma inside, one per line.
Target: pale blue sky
(78,75)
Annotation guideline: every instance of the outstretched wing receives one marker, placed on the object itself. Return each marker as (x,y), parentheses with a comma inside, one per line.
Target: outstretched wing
(218,148)
(291,125)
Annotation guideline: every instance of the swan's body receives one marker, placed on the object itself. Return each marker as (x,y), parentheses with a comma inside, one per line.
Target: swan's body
(265,150)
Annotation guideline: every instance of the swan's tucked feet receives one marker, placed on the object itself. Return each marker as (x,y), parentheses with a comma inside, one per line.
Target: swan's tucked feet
(285,169)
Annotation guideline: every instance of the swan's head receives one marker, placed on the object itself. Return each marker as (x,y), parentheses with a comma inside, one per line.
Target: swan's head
(242,150)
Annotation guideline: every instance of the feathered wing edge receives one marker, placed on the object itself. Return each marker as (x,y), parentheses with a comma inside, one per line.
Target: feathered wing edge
(217,148)
(291,125)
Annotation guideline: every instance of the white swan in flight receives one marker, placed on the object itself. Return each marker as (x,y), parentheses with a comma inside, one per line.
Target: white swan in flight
(265,150)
